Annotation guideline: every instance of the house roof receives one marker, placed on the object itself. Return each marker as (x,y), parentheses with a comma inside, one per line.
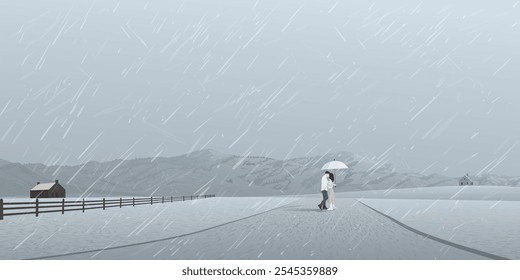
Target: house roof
(43,187)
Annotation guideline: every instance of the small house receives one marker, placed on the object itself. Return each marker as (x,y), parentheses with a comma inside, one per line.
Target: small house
(465,181)
(48,190)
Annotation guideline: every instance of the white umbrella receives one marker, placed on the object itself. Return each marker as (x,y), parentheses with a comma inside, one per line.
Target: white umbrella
(334,165)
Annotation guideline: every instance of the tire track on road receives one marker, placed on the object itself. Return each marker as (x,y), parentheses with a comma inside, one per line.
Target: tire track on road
(437,239)
(162,239)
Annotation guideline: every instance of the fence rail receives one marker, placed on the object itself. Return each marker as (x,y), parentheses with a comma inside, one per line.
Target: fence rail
(39,207)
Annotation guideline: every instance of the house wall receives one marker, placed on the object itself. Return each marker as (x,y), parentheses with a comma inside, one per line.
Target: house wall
(57,191)
(39,194)
(465,182)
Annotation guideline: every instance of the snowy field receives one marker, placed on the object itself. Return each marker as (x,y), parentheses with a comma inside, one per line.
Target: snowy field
(490,226)
(298,230)
(28,236)
(496,193)
(480,217)
(281,228)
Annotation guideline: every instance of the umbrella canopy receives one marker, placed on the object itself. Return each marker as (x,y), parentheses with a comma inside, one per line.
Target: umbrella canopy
(334,165)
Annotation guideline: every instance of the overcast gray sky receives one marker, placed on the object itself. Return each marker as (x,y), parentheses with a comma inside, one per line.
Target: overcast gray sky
(434,86)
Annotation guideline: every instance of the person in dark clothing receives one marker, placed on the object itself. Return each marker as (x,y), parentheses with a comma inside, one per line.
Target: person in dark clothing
(324,182)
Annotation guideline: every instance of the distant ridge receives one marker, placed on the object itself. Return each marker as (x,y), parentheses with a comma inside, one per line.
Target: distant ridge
(3,162)
(209,171)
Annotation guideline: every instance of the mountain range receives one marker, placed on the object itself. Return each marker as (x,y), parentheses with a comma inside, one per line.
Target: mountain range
(211,172)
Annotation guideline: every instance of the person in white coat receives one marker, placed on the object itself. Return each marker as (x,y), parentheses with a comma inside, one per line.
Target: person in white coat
(330,189)
(324,182)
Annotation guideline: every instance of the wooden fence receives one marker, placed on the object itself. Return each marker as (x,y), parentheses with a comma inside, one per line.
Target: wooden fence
(38,207)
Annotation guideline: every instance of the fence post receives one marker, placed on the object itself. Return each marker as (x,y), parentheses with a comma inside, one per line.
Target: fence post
(103,203)
(133,201)
(171,198)
(163,199)
(120,202)
(151,200)
(36,208)
(63,206)
(183,198)
(83,205)
(1,209)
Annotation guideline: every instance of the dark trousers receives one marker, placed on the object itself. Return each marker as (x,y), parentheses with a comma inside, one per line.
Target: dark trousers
(325,197)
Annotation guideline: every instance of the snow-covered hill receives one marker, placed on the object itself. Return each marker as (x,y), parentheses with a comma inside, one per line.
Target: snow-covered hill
(208,171)
(16,179)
